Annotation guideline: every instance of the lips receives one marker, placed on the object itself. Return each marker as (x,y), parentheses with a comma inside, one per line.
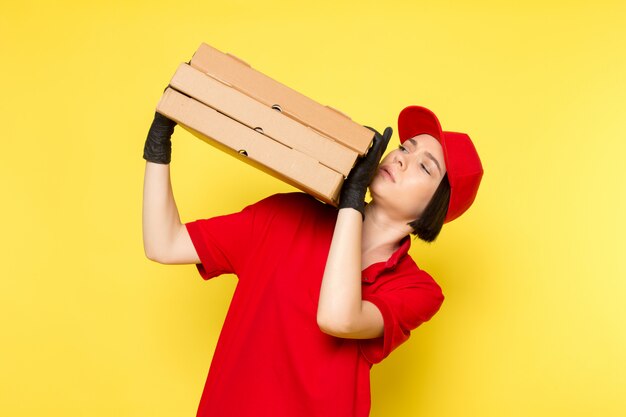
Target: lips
(387,171)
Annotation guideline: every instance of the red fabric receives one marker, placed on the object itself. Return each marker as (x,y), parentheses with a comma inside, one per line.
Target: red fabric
(271,358)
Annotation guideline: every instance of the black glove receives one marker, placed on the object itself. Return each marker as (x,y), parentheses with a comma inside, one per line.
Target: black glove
(158,147)
(355,186)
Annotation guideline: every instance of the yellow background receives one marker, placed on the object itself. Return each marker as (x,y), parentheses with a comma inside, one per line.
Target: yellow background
(534,322)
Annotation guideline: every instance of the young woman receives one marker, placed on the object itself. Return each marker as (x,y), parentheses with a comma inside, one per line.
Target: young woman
(322,293)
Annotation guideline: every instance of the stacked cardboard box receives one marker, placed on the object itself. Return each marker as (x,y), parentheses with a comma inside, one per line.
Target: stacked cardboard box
(225,102)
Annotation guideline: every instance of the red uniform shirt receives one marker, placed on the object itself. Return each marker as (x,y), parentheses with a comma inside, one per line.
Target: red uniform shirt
(271,358)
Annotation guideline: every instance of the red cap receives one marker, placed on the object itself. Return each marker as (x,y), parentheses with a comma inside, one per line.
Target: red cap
(462,162)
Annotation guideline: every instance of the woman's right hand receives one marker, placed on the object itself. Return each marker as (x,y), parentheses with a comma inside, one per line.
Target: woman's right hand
(158,146)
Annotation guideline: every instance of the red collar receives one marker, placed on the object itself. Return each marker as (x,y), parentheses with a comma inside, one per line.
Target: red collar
(374,270)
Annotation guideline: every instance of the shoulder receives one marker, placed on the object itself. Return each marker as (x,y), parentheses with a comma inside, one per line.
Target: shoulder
(290,207)
(409,275)
(292,203)
(295,197)
(419,273)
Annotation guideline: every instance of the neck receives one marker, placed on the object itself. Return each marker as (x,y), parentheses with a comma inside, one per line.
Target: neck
(381,233)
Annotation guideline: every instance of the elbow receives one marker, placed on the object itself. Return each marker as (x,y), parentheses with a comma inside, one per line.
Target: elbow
(153,254)
(156,249)
(333,327)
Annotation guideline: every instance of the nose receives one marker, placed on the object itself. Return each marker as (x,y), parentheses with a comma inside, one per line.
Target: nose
(400,161)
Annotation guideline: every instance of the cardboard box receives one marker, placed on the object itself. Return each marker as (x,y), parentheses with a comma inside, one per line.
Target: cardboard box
(326,120)
(248,111)
(251,146)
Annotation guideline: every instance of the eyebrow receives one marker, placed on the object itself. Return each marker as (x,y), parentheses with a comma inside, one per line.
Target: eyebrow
(428,154)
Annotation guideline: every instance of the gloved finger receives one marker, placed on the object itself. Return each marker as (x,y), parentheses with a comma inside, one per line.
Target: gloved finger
(386,136)
(370,128)
(163,120)
(381,142)
(387,133)
(377,148)
(373,130)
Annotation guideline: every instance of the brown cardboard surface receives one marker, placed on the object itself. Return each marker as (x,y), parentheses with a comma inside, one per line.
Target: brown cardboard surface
(254,114)
(330,122)
(272,157)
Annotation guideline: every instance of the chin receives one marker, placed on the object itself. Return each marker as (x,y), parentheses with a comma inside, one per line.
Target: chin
(375,190)
(392,203)
(383,198)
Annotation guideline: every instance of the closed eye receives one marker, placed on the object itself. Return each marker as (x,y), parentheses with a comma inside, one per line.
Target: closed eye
(403,149)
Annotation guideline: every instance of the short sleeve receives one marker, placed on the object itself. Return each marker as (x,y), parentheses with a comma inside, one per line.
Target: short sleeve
(225,243)
(403,309)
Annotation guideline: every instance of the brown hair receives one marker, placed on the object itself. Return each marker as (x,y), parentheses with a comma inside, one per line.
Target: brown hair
(428,226)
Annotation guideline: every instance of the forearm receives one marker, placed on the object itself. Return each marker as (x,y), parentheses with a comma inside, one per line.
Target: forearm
(340,294)
(160,219)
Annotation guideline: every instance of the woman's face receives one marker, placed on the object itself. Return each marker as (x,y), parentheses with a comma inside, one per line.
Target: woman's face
(408,177)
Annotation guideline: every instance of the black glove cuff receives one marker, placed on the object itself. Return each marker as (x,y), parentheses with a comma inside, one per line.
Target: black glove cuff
(353,198)
(158,146)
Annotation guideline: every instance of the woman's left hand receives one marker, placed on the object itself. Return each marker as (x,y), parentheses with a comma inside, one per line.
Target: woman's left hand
(355,186)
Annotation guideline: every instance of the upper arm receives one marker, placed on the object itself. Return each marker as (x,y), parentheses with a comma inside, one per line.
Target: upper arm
(180,251)
(402,309)
(368,325)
